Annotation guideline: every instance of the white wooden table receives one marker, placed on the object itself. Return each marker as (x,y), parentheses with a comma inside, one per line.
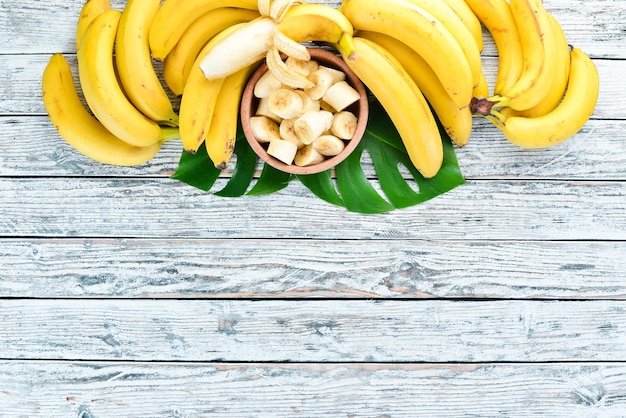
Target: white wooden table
(124,293)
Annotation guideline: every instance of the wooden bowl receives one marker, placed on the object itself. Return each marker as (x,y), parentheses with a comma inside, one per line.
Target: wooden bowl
(360,109)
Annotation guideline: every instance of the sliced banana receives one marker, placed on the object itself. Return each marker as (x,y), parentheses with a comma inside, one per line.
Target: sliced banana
(308,156)
(286,76)
(288,134)
(264,129)
(341,95)
(266,84)
(290,47)
(282,150)
(304,67)
(312,124)
(344,124)
(323,80)
(307,102)
(338,75)
(263,109)
(328,145)
(285,103)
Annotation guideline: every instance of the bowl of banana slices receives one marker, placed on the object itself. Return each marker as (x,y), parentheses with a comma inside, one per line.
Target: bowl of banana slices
(306,116)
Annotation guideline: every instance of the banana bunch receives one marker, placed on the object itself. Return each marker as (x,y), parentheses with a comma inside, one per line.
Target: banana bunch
(545,91)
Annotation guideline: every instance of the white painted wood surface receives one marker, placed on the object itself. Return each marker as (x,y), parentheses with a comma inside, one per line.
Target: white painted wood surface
(126,294)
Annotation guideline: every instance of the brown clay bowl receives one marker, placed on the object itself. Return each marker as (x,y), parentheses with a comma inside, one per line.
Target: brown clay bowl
(249,105)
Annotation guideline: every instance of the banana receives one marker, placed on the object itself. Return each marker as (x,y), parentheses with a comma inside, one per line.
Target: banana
(456,121)
(308,156)
(441,11)
(425,34)
(282,150)
(287,132)
(317,22)
(88,13)
(264,7)
(266,84)
(278,9)
(177,64)
(312,124)
(323,79)
(103,93)
(200,97)
(175,16)
(285,103)
(222,134)
(539,56)
(134,62)
(240,48)
(341,95)
(290,47)
(264,129)
(469,19)
(78,127)
(328,145)
(566,119)
(284,74)
(404,102)
(561,71)
(344,125)
(497,17)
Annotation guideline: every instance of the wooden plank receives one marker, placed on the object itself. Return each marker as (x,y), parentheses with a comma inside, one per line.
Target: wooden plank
(88,390)
(596,153)
(132,268)
(492,210)
(315,331)
(20,84)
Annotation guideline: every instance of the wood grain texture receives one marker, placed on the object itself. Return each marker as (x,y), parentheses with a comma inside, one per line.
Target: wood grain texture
(91,390)
(315,331)
(268,269)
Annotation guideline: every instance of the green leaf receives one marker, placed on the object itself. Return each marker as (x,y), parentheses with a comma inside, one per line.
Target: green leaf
(197,170)
(271,180)
(322,186)
(243,173)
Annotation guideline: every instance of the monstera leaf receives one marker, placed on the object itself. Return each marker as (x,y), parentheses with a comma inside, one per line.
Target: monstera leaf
(401,184)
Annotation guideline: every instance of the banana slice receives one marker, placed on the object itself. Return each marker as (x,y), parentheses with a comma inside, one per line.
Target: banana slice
(266,84)
(264,129)
(307,102)
(328,145)
(338,75)
(263,109)
(323,79)
(308,156)
(304,67)
(286,75)
(341,95)
(344,124)
(282,150)
(312,124)
(288,133)
(285,103)
(290,47)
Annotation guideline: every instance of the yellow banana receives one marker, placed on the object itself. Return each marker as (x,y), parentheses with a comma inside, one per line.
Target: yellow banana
(441,11)
(78,127)
(403,101)
(425,34)
(566,119)
(175,16)
(199,98)
(456,121)
(539,56)
(470,20)
(134,62)
(317,22)
(178,62)
(561,72)
(88,13)
(103,93)
(497,17)
(222,134)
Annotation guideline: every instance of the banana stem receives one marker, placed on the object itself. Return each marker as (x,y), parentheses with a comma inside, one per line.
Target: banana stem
(347,46)
(487,106)
(169,133)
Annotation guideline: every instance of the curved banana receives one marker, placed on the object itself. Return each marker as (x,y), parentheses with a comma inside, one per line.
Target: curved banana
(101,89)
(561,72)
(239,49)
(199,98)
(317,22)
(456,121)
(497,17)
(539,55)
(566,119)
(422,32)
(134,62)
(222,134)
(88,13)
(441,11)
(178,62)
(398,93)
(78,127)
(470,20)
(175,16)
